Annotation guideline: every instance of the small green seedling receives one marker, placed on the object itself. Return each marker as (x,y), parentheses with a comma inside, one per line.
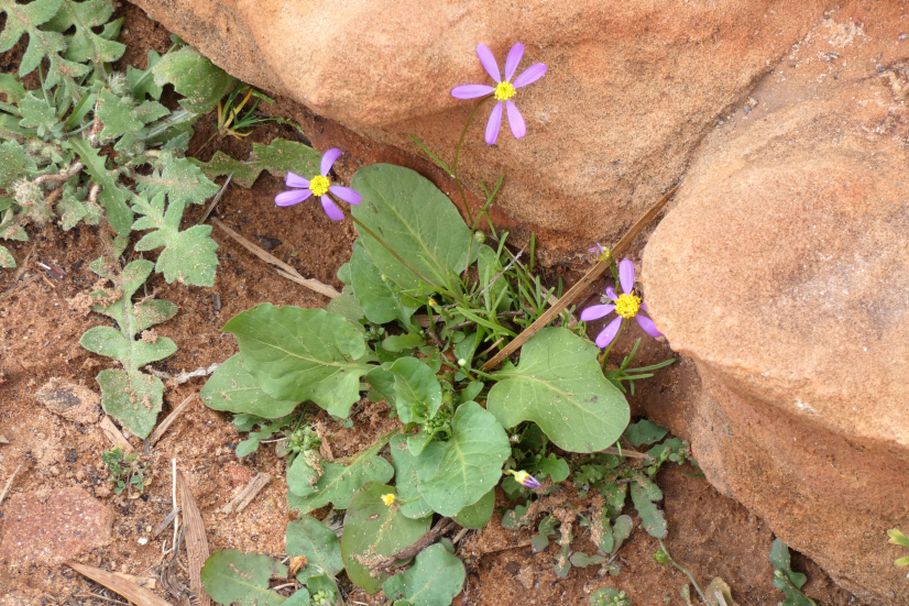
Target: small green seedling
(898,538)
(787,580)
(127,472)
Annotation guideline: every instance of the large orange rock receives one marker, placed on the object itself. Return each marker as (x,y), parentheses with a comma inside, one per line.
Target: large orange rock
(782,271)
(632,87)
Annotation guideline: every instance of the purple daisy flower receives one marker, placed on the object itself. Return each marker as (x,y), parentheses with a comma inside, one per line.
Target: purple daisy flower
(503,91)
(626,306)
(320,185)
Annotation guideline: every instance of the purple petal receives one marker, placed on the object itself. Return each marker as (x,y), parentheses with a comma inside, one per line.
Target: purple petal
(331,209)
(611,293)
(644,307)
(608,334)
(494,124)
(347,194)
(489,62)
(648,325)
(472,91)
(595,312)
(530,75)
(513,59)
(626,275)
(295,180)
(328,160)
(515,120)
(294,196)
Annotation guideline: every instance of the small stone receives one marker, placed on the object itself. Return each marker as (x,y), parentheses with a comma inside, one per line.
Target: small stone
(70,400)
(48,529)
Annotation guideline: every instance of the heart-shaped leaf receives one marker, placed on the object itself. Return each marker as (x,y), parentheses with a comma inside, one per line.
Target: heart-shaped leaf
(435,579)
(233,577)
(459,472)
(303,354)
(311,538)
(372,531)
(477,515)
(559,385)
(411,503)
(381,302)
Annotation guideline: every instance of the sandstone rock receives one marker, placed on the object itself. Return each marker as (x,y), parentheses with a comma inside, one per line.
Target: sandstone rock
(48,528)
(71,401)
(631,89)
(782,272)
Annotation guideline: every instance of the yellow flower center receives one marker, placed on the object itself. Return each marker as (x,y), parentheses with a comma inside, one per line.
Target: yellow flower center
(389,499)
(504,91)
(520,476)
(319,184)
(627,305)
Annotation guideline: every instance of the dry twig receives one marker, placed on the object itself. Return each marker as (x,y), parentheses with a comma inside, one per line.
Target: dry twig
(9,483)
(113,434)
(196,543)
(162,428)
(120,585)
(246,494)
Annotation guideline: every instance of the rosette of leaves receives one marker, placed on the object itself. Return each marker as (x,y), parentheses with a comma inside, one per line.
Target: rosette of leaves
(92,144)
(129,395)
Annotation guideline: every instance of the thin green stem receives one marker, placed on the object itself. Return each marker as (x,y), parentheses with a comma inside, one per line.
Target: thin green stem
(455,165)
(685,571)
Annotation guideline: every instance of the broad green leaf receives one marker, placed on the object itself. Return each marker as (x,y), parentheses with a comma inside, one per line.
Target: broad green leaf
(414,217)
(412,505)
(645,432)
(278,157)
(107,341)
(311,538)
(379,299)
(232,577)
(337,482)
(435,579)
(112,195)
(477,515)
(6,258)
(652,518)
(303,354)
(553,467)
(559,385)
(189,255)
(373,531)
(141,81)
(459,472)
(12,88)
(39,114)
(179,178)
(346,305)
(233,388)
(131,397)
(201,83)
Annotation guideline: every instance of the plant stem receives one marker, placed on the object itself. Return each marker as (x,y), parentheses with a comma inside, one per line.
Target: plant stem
(455,165)
(684,570)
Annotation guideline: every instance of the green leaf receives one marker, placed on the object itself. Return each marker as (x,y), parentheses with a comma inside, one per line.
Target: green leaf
(188,256)
(39,114)
(195,77)
(459,472)
(179,178)
(26,19)
(309,537)
(652,518)
(373,531)
(434,580)
(556,468)
(645,432)
(379,299)
(417,394)
(278,157)
(232,577)
(6,259)
(84,45)
(337,482)
(14,163)
(477,515)
(12,88)
(303,354)
(141,82)
(118,115)
(131,397)
(112,195)
(615,534)
(411,504)
(233,387)
(412,215)
(559,385)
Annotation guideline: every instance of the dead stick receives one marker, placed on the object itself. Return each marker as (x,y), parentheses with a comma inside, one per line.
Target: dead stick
(441,527)
(9,483)
(581,285)
(289,271)
(161,429)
